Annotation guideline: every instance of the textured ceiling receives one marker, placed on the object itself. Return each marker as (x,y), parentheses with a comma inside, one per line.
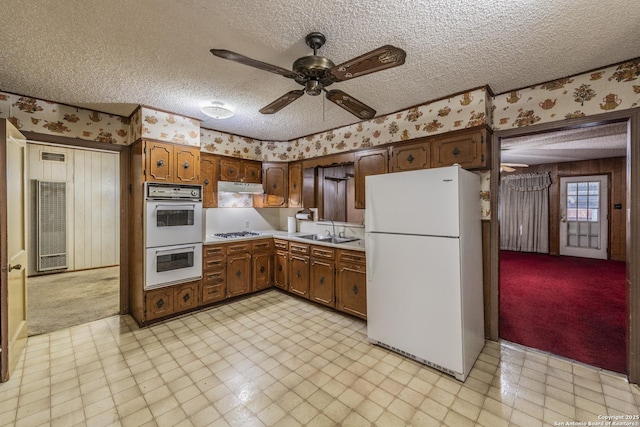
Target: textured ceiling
(113,55)
(598,142)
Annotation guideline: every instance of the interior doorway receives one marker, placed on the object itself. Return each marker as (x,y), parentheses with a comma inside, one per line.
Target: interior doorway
(74,223)
(589,219)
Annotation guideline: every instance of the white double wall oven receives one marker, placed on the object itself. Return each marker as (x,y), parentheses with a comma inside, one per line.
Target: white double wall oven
(173,232)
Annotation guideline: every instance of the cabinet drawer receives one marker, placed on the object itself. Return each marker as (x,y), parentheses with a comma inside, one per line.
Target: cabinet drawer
(298,248)
(210,277)
(212,293)
(345,257)
(261,245)
(238,247)
(322,252)
(213,250)
(282,245)
(213,263)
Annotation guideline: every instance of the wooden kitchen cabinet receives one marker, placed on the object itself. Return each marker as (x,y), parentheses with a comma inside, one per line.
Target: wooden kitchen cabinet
(309,187)
(281,264)
(470,149)
(240,170)
(158,303)
(406,157)
(185,296)
(214,284)
(368,162)
(299,269)
(275,177)
(209,173)
(295,185)
(238,274)
(262,263)
(351,289)
(322,275)
(166,162)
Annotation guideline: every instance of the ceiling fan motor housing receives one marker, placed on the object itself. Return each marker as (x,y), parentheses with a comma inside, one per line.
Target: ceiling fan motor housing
(313,68)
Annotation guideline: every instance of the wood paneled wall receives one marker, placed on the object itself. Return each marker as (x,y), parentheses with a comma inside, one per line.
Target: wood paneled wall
(616,169)
(93,204)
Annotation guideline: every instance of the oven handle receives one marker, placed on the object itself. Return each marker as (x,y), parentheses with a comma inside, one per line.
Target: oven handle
(175,251)
(193,207)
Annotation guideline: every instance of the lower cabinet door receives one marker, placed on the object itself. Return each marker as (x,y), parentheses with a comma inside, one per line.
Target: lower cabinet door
(281,268)
(185,296)
(262,271)
(351,290)
(238,274)
(299,275)
(322,283)
(158,303)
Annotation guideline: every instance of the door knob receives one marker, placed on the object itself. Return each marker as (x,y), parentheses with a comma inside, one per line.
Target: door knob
(15,267)
(563,218)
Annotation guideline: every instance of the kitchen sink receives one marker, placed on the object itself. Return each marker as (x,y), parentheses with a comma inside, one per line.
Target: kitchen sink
(328,238)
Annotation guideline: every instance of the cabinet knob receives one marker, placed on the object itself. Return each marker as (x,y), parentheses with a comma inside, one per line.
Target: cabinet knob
(295,185)
(280,268)
(185,165)
(160,163)
(355,289)
(262,269)
(186,297)
(230,171)
(275,185)
(456,151)
(238,273)
(322,280)
(298,274)
(410,159)
(206,182)
(160,303)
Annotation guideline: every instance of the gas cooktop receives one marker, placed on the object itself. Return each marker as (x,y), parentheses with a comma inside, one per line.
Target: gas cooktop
(236,234)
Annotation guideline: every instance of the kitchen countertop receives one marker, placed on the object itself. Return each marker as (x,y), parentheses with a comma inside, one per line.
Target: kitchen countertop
(356,245)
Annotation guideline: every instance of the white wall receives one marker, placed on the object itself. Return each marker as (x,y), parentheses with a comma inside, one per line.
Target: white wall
(93,211)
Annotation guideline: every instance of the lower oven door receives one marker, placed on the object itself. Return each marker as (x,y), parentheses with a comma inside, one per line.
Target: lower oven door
(169,265)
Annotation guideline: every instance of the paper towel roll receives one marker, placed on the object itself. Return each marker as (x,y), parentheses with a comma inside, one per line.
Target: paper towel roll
(291,224)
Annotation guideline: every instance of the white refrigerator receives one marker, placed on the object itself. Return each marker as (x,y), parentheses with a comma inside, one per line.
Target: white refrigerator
(424,266)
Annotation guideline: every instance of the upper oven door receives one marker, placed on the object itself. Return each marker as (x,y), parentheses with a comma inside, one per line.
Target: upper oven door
(172,223)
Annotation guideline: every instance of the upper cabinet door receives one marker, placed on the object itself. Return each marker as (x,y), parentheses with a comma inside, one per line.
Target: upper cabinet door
(275,184)
(410,157)
(230,169)
(469,149)
(187,164)
(295,185)
(252,171)
(159,167)
(369,162)
(209,180)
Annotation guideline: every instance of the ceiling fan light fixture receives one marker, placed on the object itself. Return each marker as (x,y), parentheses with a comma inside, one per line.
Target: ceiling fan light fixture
(216,110)
(313,88)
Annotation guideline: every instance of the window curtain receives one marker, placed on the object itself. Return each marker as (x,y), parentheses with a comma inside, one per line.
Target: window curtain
(524,212)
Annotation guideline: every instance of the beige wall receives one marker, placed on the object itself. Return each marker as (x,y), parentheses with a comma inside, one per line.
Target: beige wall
(93,219)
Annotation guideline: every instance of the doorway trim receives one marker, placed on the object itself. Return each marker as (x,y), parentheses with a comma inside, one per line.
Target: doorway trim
(123,154)
(632,118)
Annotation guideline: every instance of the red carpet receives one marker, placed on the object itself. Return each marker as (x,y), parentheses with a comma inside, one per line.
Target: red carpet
(572,307)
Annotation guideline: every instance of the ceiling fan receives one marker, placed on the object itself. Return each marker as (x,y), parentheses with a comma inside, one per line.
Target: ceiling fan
(315,73)
(510,167)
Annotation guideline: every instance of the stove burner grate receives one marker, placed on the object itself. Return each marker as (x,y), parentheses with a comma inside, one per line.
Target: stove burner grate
(235,234)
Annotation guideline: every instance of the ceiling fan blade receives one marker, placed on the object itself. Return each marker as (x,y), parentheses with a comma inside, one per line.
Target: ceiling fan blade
(378,59)
(236,57)
(351,104)
(282,102)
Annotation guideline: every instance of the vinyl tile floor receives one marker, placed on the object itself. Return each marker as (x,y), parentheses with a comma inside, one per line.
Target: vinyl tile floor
(275,360)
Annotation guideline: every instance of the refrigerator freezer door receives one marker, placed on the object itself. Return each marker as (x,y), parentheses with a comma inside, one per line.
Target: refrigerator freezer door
(413,296)
(421,202)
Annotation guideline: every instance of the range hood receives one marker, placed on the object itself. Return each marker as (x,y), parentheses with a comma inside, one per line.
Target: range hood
(240,187)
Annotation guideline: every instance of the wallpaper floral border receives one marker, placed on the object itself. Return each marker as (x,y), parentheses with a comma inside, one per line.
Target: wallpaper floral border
(466,110)
(34,115)
(168,127)
(611,88)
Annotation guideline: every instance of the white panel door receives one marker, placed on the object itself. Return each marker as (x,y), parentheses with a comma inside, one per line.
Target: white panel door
(583,216)
(414,296)
(14,259)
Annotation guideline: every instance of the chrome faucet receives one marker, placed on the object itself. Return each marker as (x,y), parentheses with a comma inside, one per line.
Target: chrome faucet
(333,226)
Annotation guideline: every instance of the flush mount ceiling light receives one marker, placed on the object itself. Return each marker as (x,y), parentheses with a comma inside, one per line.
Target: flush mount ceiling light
(216,110)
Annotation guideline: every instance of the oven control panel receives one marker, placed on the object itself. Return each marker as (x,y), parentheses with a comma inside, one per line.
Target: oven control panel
(165,191)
